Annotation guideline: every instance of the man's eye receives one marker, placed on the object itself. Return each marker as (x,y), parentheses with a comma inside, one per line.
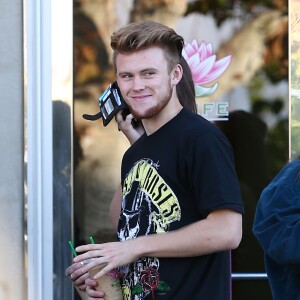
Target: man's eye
(125,76)
(149,73)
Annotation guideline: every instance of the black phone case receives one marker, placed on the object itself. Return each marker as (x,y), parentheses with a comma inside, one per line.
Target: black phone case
(110,102)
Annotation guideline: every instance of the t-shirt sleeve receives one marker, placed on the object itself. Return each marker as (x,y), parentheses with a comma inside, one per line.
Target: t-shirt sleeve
(212,174)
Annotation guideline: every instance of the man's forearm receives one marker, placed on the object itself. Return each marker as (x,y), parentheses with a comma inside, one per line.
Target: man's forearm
(222,230)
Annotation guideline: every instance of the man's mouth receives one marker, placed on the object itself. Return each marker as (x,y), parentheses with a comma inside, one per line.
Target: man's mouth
(140,98)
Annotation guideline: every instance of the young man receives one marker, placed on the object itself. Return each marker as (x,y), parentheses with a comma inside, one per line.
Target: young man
(179,210)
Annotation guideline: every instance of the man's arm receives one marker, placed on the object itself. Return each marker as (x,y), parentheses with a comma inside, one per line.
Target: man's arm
(132,134)
(115,207)
(221,230)
(84,285)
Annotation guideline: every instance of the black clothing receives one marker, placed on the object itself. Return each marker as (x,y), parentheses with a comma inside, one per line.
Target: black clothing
(172,178)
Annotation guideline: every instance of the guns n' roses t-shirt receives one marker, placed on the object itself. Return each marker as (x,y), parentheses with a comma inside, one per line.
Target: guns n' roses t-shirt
(172,178)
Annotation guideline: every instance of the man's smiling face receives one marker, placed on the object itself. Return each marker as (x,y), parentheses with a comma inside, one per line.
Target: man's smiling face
(144,81)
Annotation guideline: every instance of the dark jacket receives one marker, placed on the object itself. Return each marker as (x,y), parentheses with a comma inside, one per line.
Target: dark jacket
(277,228)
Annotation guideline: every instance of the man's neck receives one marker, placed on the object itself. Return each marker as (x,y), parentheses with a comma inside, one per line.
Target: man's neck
(169,112)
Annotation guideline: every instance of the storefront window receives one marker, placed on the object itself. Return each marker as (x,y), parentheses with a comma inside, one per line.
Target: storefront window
(250,105)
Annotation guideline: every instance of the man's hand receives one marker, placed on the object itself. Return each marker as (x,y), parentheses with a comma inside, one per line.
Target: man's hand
(133,133)
(84,285)
(78,280)
(114,255)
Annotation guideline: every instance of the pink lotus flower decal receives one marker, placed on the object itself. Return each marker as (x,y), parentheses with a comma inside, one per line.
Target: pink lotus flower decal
(204,66)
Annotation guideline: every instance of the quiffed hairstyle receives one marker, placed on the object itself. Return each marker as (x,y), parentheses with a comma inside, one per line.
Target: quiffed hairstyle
(144,34)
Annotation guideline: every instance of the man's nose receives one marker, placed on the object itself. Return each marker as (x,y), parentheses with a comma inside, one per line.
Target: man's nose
(138,83)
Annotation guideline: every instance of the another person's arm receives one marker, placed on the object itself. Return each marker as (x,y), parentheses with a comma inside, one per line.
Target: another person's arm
(276,224)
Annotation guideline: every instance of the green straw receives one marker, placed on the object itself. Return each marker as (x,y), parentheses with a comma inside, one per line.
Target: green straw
(92,240)
(72,248)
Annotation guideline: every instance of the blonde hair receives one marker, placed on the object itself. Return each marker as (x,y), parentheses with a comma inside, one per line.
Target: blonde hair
(144,34)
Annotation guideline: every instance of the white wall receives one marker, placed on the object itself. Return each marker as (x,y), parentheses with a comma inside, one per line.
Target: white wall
(12,278)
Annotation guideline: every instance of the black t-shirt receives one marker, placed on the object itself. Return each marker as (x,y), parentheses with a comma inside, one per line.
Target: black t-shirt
(172,178)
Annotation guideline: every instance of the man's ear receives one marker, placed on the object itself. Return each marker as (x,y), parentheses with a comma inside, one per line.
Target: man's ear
(176,74)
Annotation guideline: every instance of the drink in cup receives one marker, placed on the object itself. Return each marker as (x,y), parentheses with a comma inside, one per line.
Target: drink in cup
(107,283)
(81,293)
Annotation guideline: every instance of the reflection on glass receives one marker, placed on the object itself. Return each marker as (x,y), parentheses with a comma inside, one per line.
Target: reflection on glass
(62,201)
(295,76)
(62,95)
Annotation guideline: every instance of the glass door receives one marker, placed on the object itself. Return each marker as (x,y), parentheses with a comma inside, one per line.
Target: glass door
(250,105)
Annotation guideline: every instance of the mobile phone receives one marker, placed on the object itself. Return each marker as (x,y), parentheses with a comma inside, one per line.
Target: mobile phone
(110,102)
